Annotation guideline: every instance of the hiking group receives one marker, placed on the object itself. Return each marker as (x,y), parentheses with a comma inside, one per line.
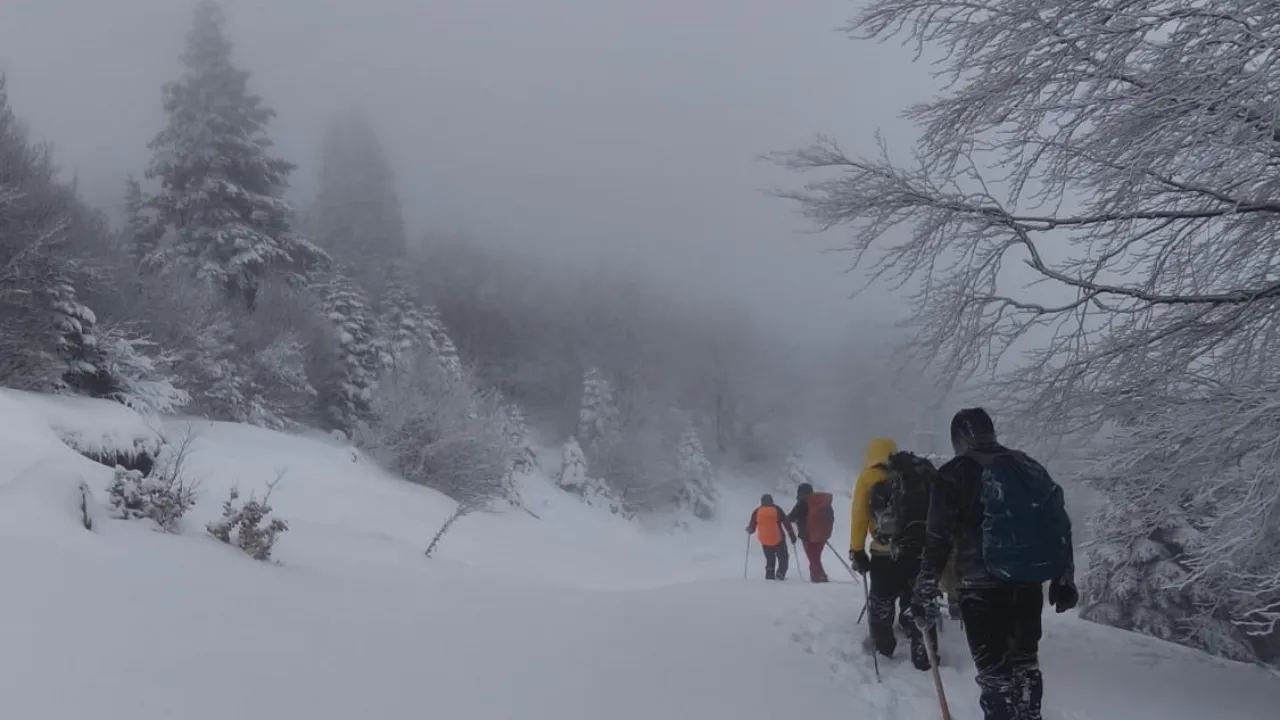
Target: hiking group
(988,528)
(810,522)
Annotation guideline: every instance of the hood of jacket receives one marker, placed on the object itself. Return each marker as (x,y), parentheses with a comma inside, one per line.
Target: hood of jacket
(878,452)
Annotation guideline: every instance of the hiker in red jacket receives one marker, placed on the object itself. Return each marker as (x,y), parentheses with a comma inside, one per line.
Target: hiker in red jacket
(814,519)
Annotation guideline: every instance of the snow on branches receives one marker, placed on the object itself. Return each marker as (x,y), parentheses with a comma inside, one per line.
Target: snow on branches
(1122,159)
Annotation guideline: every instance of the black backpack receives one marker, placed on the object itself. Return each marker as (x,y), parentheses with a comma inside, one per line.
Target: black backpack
(900,502)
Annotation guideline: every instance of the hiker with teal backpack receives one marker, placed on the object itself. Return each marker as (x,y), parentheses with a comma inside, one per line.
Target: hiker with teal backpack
(1007,522)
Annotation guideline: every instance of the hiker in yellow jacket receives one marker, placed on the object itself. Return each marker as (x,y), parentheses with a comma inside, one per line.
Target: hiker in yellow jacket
(894,515)
(874,472)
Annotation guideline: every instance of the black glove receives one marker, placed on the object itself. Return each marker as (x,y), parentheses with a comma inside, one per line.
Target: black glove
(924,610)
(1063,595)
(860,561)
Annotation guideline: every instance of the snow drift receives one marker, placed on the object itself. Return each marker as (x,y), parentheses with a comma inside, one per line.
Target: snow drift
(508,622)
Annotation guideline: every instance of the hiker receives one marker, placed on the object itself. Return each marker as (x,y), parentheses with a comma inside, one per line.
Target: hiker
(814,519)
(771,525)
(1007,521)
(891,503)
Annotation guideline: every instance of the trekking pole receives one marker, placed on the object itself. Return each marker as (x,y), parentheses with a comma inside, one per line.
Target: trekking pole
(937,676)
(875,657)
(852,574)
(746,558)
(799,564)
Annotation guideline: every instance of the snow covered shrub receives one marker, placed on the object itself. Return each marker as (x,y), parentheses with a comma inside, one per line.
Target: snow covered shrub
(136,497)
(573,478)
(163,496)
(516,430)
(1187,545)
(598,416)
(247,524)
(435,429)
(138,372)
(1138,580)
(695,477)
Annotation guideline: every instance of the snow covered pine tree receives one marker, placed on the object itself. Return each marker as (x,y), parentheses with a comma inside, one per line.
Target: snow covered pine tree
(220,191)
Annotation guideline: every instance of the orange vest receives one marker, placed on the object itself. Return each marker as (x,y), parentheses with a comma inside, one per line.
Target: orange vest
(769,525)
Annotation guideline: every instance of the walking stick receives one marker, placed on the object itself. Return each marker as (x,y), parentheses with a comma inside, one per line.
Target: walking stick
(852,574)
(745,558)
(799,564)
(937,676)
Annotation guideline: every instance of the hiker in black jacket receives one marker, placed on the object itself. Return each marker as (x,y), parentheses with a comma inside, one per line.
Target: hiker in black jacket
(1000,597)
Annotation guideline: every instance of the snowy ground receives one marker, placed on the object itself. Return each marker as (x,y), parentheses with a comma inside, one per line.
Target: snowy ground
(574,615)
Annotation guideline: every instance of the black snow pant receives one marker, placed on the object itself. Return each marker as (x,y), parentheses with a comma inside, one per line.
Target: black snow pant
(1003,628)
(892,584)
(775,556)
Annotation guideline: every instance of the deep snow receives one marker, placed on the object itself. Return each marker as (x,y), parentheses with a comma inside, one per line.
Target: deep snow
(574,615)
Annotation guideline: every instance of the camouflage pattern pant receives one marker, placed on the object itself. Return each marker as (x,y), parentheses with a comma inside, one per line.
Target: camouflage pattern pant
(892,585)
(1003,627)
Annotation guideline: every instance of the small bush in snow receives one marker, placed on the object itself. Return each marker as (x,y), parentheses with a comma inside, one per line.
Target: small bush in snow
(247,525)
(163,497)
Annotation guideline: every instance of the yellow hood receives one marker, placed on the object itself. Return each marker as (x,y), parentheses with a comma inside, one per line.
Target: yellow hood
(878,451)
(860,520)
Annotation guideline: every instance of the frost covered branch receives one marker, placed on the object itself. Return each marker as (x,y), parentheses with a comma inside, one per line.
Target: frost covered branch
(1092,217)
(1132,178)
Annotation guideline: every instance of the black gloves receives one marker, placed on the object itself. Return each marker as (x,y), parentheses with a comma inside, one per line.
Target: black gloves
(1063,595)
(861,563)
(924,610)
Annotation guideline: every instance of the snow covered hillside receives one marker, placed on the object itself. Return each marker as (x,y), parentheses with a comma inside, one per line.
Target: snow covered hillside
(572,614)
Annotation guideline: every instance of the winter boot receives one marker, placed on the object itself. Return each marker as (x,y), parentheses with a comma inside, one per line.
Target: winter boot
(768,575)
(781,576)
(919,654)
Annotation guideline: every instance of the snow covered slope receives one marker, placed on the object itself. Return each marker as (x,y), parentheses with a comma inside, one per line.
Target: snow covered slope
(509,621)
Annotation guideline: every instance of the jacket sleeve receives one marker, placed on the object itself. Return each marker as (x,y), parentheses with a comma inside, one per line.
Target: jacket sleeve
(798,512)
(945,501)
(860,510)
(751,526)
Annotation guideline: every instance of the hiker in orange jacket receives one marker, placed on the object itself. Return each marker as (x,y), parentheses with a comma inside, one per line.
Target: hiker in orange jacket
(771,525)
(814,519)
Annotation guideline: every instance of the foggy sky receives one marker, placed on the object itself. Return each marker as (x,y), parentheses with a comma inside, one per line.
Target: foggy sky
(622,130)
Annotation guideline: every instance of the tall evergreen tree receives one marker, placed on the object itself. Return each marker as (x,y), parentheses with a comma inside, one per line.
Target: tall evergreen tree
(220,189)
(404,324)
(347,393)
(357,216)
